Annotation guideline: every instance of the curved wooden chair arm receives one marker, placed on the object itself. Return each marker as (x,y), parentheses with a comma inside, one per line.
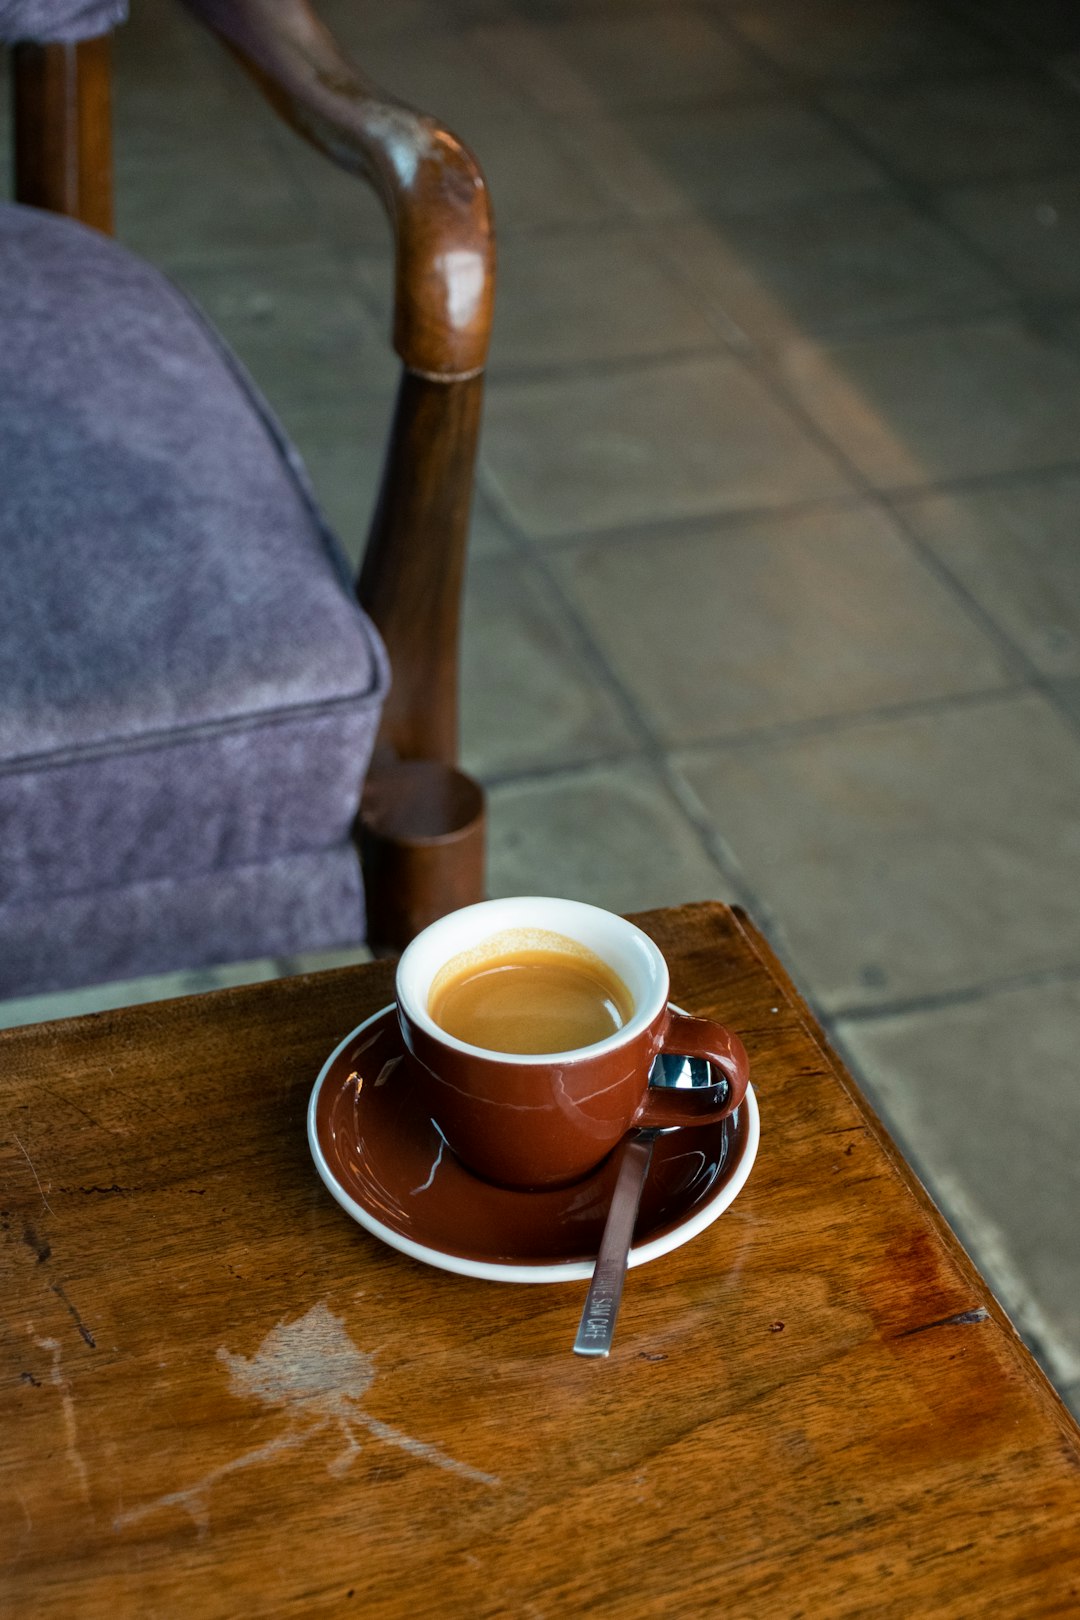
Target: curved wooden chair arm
(429,181)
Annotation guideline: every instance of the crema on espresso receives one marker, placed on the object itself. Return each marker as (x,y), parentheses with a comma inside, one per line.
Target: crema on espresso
(531,1001)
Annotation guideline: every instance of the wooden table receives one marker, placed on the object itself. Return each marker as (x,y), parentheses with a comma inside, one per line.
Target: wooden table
(221,1397)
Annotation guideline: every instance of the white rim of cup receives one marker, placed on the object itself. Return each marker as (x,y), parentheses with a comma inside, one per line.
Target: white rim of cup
(626,949)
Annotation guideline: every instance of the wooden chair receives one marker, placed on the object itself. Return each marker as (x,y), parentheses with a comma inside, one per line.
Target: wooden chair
(420,832)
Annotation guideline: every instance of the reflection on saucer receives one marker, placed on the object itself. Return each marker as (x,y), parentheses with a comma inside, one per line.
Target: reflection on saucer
(389,1168)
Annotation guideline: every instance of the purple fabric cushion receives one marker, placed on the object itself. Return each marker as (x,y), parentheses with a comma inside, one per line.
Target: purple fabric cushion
(277,908)
(186,681)
(54,21)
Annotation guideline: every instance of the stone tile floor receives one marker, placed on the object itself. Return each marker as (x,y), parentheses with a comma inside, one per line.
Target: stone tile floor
(775,579)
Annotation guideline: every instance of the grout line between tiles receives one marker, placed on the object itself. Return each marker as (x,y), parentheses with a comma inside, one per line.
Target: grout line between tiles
(831,725)
(517,374)
(690,526)
(704,524)
(963,995)
(972,483)
(1043,684)
(1039,315)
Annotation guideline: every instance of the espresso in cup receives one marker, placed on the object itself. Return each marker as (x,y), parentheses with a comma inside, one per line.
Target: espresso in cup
(553,997)
(533,1087)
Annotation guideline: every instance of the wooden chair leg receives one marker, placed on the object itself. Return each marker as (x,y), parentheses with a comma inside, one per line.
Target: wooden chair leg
(63,135)
(411,579)
(422,842)
(421,829)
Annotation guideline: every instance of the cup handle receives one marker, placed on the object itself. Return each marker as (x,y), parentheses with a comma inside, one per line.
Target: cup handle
(697,1038)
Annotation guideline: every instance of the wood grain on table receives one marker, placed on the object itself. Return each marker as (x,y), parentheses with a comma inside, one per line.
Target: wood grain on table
(219,1396)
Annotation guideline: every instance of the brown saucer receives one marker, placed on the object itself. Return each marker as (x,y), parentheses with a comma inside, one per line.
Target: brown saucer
(390,1170)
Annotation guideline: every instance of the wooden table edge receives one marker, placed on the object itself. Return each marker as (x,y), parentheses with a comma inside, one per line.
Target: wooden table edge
(943,1232)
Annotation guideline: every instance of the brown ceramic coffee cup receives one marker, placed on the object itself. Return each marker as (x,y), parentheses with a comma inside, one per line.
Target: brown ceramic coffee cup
(540,1119)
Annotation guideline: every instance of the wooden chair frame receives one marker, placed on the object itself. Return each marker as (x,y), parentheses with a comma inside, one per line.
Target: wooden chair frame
(421,830)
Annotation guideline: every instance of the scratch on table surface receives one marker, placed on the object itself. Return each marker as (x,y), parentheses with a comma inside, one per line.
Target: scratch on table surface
(312,1370)
(961,1319)
(34,1173)
(67,1101)
(71,1427)
(84,1332)
(39,1245)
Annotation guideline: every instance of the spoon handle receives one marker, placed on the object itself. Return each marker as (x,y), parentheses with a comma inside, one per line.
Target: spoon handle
(597,1324)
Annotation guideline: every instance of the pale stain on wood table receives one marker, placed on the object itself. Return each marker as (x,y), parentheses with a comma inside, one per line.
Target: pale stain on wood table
(313,1370)
(219,1396)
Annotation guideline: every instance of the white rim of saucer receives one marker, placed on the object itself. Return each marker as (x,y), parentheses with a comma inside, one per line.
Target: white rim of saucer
(505,1271)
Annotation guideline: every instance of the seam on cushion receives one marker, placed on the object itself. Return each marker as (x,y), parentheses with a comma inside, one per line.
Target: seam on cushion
(33,902)
(156,741)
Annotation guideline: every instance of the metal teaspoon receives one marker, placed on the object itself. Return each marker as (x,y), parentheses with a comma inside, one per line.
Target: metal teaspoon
(597,1323)
(597,1326)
